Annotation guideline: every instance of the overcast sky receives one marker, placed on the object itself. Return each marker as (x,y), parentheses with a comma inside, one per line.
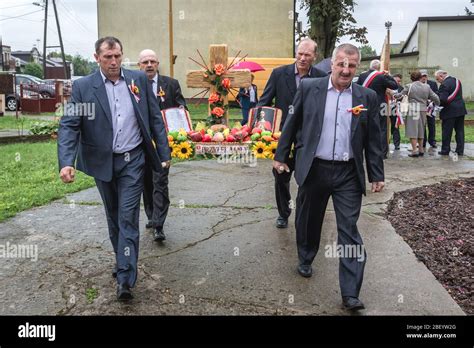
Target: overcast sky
(78,19)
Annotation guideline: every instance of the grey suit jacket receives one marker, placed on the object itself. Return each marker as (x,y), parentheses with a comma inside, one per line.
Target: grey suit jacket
(89,139)
(303,128)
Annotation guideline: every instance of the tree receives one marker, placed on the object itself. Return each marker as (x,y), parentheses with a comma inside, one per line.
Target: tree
(81,66)
(367,51)
(34,69)
(330,20)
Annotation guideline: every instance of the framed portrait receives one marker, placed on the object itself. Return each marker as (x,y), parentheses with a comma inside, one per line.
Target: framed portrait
(265,117)
(176,118)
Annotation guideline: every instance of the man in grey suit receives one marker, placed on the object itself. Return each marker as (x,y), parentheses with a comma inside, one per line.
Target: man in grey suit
(331,138)
(112,146)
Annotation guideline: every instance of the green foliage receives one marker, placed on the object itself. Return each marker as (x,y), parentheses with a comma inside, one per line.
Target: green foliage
(91,295)
(34,69)
(367,51)
(330,20)
(81,66)
(41,128)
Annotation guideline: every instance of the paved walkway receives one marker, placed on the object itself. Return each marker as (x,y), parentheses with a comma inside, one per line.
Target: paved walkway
(223,254)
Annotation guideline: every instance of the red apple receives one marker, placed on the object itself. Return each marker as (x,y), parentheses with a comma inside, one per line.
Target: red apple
(257,130)
(206,138)
(196,137)
(230,138)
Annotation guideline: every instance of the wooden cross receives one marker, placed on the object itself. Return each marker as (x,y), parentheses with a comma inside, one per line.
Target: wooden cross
(218,54)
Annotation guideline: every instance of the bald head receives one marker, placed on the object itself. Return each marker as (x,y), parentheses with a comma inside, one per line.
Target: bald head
(148,62)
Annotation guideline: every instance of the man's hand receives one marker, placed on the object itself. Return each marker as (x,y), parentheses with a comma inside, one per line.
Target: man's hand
(280,167)
(166,164)
(378,186)
(67,174)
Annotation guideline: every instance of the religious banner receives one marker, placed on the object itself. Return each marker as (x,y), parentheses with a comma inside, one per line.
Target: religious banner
(176,119)
(266,118)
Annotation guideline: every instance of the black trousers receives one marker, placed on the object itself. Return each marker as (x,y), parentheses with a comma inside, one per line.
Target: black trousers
(395,132)
(121,198)
(456,123)
(282,190)
(156,196)
(340,182)
(431,125)
(383,134)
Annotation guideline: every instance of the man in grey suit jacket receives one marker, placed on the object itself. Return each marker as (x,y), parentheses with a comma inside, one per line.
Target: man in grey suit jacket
(331,139)
(111,145)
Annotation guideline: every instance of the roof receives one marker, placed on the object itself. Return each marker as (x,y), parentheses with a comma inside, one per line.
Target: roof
(435,19)
(395,55)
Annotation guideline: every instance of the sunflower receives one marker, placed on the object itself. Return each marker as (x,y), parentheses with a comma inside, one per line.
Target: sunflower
(272,149)
(260,150)
(183,150)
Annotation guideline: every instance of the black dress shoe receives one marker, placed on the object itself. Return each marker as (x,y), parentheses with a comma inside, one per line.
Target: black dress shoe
(460,154)
(421,154)
(124,293)
(149,225)
(282,222)
(352,303)
(397,148)
(158,235)
(414,155)
(305,271)
(443,153)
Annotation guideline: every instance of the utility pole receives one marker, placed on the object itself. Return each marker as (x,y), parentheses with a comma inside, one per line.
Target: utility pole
(44,36)
(170,29)
(60,39)
(45,47)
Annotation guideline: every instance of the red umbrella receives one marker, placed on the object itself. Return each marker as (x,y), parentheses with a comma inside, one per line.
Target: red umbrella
(252,66)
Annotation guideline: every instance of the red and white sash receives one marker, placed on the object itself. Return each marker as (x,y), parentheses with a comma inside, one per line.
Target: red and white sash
(456,90)
(371,77)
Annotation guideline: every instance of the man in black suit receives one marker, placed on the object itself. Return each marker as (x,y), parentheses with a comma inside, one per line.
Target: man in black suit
(332,140)
(394,130)
(453,112)
(156,195)
(430,120)
(282,87)
(111,145)
(379,81)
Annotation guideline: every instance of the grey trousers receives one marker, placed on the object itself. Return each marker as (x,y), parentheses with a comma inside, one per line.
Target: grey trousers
(121,198)
(340,182)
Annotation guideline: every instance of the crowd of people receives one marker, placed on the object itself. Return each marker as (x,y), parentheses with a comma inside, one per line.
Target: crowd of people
(330,128)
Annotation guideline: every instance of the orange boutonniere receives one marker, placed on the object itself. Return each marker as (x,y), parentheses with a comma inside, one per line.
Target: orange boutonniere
(135,90)
(162,94)
(356,110)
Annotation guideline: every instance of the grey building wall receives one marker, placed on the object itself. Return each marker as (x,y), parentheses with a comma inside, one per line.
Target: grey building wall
(258,28)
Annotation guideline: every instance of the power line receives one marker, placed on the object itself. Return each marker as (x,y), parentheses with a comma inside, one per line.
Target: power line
(25,4)
(25,14)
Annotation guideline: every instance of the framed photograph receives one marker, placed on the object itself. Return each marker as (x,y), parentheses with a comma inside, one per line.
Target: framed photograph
(176,118)
(265,117)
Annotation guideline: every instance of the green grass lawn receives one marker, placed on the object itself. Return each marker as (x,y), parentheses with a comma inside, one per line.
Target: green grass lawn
(29,177)
(468,134)
(199,113)
(11,122)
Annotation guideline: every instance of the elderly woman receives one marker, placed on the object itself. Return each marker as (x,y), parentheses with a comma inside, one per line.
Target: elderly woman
(418,95)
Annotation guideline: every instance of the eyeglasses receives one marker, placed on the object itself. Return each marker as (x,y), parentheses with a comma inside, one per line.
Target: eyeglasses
(146,62)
